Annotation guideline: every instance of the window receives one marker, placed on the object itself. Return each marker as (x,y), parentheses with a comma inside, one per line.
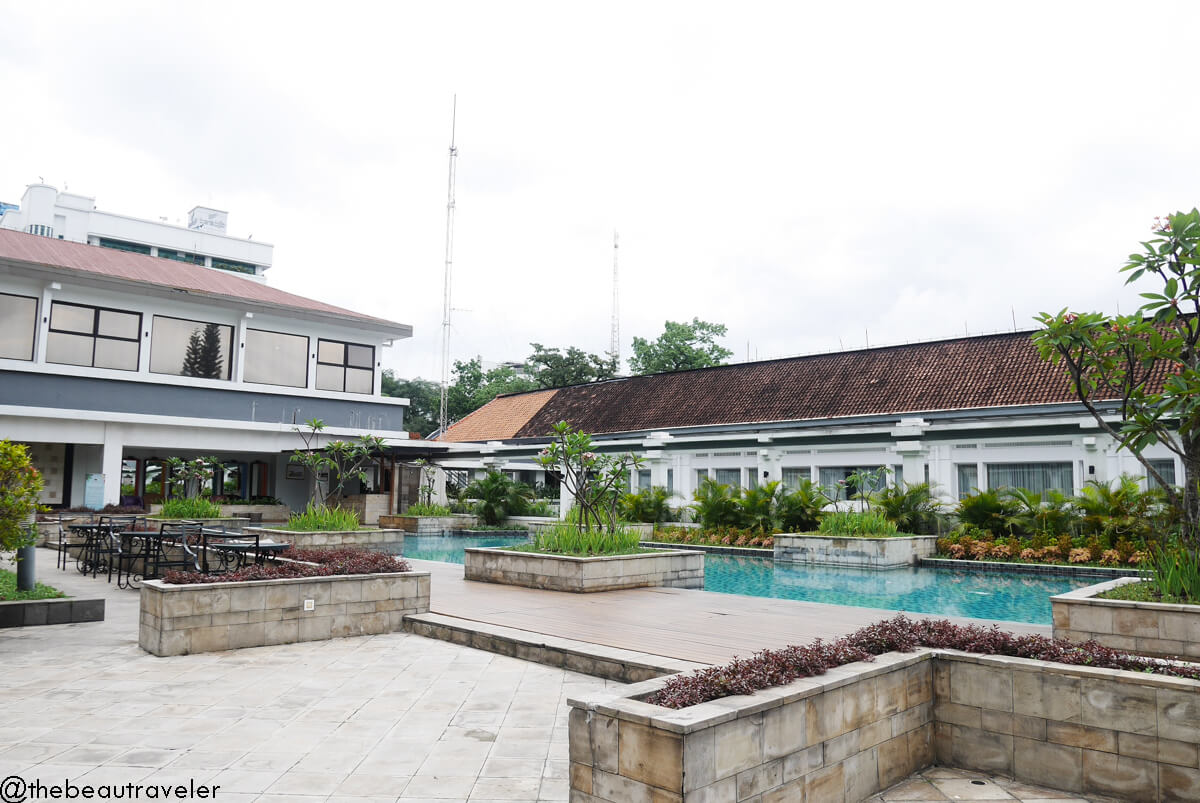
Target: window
(231,479)
(670,480)
(1165,467)
(1036,477)
(701,476)
(191,348)
(347,367)
(18,323)
(129,477)
(793,477)
(752,477)
(122,245)
(836,483)
(968,479)
(181,256)
(730,476)
(234,265)
(102,338)
(643,479)
(273,358)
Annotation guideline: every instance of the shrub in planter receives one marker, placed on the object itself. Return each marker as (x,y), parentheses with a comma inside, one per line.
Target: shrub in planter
(900,634)
(302,563)
(427,509)
(194,508)
(20,487)
(319,518)
(868,523)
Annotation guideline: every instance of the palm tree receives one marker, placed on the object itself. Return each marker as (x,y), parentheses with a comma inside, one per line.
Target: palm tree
(716,505)
(913,508)
(498,497)
(758,507)
(799,510)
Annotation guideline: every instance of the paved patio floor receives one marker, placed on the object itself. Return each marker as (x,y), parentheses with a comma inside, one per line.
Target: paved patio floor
(381,718)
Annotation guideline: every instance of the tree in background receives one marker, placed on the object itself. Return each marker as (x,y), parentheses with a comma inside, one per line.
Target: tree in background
(555,368)
(473,387)
(1148,362)
(680,347)
(424,398)
(20,487)
(203,355)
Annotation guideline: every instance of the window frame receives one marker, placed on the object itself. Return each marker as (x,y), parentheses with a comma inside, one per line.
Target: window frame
(228,357)
(344,365)
(34,334)
(95,333)
(245,357)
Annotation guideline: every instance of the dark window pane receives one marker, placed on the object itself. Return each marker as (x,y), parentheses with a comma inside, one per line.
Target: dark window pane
(331,351)
(122,245)
(122,354)
(119,324)
(18,322)
(360,356)
(69,349)
(70,318)
(233,265)
(359,381)
(273,358)
(330,377)
(191,348)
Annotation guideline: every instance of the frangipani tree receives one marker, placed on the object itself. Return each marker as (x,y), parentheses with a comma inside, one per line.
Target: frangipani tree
(595,480)
(1147,363)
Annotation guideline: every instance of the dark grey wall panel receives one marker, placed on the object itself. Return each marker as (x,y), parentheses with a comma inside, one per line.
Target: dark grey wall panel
(147,398)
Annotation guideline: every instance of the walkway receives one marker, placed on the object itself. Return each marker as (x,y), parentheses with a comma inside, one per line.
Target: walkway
(697,626)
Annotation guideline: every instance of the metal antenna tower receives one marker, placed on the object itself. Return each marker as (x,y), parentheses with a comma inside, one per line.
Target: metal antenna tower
(442,411)
(614,341)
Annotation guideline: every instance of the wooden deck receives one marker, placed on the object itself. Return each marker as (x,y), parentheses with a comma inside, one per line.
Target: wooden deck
(697,626)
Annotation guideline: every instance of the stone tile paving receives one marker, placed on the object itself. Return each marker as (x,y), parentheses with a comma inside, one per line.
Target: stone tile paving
(945,783)
(377,718)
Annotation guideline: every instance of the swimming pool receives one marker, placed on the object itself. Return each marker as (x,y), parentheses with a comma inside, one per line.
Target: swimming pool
(1010,597)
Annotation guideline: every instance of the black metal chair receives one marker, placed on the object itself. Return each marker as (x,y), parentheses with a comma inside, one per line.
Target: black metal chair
(66,540)
(177,545)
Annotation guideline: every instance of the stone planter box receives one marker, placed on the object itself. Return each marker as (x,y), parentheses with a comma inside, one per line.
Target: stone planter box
(369,507)
(334,539)
(864,553)
(427,525)
(59,611)
(860,728)
(1149,628)
(673,568)
(184,619)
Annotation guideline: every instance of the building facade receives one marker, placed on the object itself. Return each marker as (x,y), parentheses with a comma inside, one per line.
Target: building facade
(963,414)
(46,212)
(112,361)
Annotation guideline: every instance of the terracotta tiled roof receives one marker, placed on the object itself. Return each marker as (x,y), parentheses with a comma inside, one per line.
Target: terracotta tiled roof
(122,265)
(499,419)
(963,374)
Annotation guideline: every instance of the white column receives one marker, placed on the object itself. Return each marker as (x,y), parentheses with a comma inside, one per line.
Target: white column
(912,457)
(770,466)
(114,447)
(658,464)
(566,498)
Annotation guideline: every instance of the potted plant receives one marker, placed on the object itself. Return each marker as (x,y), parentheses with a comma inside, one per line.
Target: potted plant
(20,487)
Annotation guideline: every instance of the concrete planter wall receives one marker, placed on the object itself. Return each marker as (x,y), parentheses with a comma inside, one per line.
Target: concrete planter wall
(862,727)
(184,619)
(1149,628)
(427,525)
(677,569)
(369,507)
(865,553)
(59,611)
(333,539)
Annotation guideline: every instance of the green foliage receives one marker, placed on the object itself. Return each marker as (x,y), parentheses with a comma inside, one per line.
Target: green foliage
(554,368)
(986,510)
(190,508)
(203,357)
(473,387)
(9,592)
(190,477)
(423,509)
(339,460)
(565,539)
(758,507)
(1175,572)
(1123,509)
(800,511)
(595,480)
(1149,361)
(857,523)
(648,506)
(320,518)
(540,507)
(20,487)
(717,505)
(498,497)
(680,347)
(424,400)
(912,507)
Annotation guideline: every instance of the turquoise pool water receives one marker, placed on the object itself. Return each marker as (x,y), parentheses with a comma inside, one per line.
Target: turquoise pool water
(1009,597)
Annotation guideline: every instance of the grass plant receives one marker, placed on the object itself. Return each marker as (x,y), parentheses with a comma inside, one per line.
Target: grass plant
(427,510)
(195,508)
(8,589)
(869,523)
(566,539)
(319,518)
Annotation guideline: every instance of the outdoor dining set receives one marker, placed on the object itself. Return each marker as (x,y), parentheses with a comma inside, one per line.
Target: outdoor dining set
(134,548)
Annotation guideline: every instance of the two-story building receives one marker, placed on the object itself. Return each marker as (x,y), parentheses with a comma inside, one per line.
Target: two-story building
(112,361)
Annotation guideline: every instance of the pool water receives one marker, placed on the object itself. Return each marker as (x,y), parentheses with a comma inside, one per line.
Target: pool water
(1010,597)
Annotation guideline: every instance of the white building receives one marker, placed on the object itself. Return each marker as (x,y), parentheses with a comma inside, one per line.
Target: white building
(66,216)
(112,361)
(975,412)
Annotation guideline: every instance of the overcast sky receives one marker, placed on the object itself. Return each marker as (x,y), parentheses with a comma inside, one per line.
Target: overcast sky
(808,174)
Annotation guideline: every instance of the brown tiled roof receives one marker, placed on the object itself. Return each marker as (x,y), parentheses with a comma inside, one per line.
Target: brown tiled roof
(963,374)
(498,421)
(110,263)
